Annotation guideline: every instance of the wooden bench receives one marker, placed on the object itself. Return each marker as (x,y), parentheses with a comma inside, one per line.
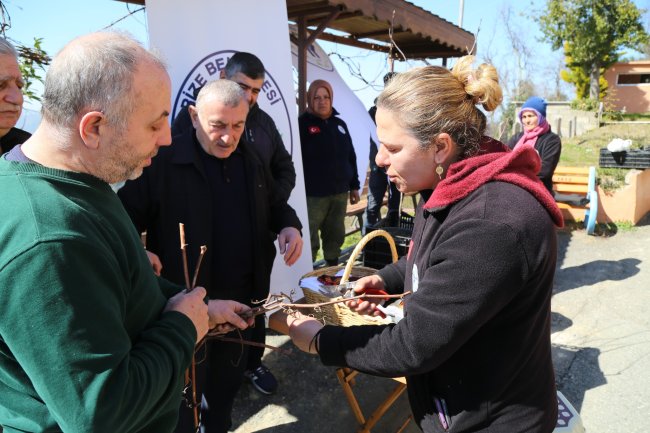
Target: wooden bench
(356,210)
(575,194)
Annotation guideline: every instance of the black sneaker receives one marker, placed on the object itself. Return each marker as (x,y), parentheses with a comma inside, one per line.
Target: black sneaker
(262,379)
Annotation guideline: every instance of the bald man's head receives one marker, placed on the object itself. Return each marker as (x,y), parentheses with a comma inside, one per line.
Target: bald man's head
(94,72)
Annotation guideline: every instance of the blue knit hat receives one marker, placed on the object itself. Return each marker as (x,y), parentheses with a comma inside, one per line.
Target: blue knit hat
(536,104)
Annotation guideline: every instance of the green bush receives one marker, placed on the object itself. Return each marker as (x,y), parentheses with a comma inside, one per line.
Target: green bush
(586,104)
(615,116)
(611,179)
(635,116)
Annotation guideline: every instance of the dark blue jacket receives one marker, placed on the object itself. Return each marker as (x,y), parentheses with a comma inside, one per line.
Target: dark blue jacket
(328,159)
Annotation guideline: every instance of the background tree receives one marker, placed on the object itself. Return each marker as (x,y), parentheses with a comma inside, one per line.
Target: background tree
(514,67)
(32,62)
(579,76)
(595,31)
(646,51)
(553,84)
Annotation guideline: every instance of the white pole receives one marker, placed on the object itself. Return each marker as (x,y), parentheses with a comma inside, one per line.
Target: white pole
(461,8)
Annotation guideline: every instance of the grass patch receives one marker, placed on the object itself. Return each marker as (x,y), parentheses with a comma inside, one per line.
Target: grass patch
(611,179)
(602,229)
(584,150)
(610,229)
(350,241)
(617,116)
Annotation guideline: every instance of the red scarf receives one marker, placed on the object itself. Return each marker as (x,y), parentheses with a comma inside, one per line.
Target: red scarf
(494,163)
(529,138)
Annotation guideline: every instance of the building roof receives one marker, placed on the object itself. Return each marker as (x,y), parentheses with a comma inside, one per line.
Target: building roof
(417,33)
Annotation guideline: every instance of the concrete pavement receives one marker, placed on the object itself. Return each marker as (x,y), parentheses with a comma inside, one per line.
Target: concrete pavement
(601,328)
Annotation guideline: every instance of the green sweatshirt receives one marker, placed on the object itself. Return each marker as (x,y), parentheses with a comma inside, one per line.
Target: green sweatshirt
(84,345)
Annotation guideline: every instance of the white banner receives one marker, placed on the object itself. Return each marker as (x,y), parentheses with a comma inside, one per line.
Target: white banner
(197,38)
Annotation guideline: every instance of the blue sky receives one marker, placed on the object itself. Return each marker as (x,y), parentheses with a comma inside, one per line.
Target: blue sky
(59,21)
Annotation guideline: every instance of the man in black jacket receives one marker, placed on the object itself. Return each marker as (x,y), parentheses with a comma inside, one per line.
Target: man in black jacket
(211,181)
(263,137)
(261,133)
(11,98)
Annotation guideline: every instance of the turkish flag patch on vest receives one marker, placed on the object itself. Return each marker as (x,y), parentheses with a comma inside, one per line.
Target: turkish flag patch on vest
(314,130)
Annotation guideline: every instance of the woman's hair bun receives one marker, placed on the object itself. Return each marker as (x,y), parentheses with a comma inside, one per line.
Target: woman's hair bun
(482,84)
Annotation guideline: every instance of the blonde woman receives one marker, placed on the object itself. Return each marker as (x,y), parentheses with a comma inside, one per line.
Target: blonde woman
(474,344)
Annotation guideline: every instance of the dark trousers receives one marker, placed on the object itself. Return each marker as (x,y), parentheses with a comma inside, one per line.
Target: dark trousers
(327,215)
(377,184)
(259,336)
(219,378)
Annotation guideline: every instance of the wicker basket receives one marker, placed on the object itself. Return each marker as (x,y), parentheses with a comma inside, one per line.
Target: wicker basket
(339,314)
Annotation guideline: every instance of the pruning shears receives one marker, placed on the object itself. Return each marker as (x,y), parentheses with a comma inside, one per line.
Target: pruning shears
(346,290)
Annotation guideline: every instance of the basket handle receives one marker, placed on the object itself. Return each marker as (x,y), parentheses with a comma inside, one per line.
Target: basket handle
(362,243)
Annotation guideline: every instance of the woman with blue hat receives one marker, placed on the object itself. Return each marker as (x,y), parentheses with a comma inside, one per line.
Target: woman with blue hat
(537,134)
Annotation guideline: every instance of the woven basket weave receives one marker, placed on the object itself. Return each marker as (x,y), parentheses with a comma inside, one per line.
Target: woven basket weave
(339,314)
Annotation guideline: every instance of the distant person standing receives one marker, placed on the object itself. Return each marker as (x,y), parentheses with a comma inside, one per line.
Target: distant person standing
(378,183)
(330,167)
(11,98)
(537,134)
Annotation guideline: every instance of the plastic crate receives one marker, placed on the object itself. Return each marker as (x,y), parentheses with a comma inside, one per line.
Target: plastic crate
(376,254)
(630,159)
(406,221)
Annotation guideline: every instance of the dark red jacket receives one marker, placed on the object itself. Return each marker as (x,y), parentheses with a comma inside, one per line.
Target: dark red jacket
(476,331)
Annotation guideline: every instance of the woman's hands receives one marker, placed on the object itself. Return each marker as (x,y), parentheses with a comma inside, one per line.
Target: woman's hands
(363,306)
(302,329)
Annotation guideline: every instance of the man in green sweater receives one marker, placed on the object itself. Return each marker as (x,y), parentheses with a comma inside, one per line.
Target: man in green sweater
(90,339)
